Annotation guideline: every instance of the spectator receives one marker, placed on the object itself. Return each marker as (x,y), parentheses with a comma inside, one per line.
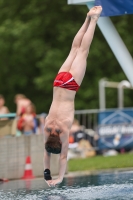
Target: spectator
(3,109)
(27,122)
(77,132)
(75,128)
(21,102)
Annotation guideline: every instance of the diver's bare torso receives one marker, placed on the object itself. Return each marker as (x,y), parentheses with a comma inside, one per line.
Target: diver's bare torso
(61,113)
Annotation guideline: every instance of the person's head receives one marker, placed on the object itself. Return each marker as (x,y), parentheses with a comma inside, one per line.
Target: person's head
(19,97)
(53,144)
(2,100)
(75,127)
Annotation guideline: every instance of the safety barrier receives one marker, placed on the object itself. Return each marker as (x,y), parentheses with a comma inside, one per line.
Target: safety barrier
(13,152)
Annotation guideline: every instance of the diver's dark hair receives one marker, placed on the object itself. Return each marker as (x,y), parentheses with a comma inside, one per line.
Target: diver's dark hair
(53,144)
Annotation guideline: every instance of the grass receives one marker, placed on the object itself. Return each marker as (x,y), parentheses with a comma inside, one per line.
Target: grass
(100,162)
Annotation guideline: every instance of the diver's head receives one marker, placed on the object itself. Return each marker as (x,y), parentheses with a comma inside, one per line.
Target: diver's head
(53,144)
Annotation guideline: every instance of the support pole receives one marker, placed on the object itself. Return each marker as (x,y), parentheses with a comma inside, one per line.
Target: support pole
(102,97)
(123,84)
(116,44)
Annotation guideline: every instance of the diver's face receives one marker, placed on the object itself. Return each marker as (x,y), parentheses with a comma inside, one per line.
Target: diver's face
(53,131)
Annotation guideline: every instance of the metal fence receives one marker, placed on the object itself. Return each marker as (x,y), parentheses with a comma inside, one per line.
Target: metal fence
(87,118)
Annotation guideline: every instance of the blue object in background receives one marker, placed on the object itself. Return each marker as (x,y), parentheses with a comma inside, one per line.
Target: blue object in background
(115,129)
(116,116)
(115,7)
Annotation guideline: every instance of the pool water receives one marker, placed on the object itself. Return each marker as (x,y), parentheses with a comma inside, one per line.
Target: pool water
(103,186)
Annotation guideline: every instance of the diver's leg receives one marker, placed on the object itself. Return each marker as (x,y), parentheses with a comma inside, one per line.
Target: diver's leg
(75,46)
(79,64)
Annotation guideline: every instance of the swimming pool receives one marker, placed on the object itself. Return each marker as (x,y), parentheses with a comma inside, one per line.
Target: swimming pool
(103,186)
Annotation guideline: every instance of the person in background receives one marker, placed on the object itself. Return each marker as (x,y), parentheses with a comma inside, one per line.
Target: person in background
(74,129)
(21,102)
(3,108)
(27,122)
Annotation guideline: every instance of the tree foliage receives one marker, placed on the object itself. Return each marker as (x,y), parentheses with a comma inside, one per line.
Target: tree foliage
(35,39)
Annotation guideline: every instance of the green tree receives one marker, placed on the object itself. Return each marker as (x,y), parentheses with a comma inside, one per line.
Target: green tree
(35,39)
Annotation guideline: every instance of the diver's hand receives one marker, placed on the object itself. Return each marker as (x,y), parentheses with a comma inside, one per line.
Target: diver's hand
(47,177)
(53,183)
(48,182)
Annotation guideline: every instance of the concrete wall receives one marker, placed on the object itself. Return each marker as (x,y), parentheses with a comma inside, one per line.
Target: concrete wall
(13,154)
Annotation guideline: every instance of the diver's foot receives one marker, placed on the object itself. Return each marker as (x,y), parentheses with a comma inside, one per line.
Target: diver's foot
(95,12)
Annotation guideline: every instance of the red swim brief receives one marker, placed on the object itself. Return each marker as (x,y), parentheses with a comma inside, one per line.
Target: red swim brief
(66,80)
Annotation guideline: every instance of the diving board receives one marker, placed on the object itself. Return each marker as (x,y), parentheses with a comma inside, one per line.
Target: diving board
(79,1)
(109,31)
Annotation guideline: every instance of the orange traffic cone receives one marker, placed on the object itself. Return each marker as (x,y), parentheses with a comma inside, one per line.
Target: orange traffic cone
(28,169)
